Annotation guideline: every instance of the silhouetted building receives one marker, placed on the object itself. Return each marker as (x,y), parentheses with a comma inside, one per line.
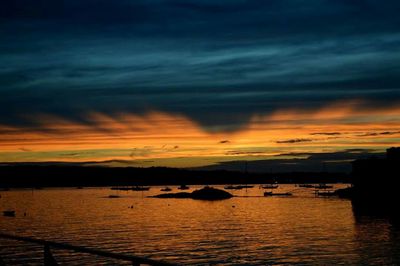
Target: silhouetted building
(393,153)
(376,182)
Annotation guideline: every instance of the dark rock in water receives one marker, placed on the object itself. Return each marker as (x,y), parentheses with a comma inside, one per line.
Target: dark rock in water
(206,193)
(209,193)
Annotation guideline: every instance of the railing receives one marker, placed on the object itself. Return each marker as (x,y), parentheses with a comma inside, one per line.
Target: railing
(49,260)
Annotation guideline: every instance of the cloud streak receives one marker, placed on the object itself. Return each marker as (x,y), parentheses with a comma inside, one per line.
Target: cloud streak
(71,58)
(294,141)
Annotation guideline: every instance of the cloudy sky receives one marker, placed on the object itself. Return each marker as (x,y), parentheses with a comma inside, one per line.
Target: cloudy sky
(197,82)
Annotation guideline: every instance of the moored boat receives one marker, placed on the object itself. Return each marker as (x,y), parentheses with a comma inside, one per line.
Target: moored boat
(183,187)
(9,213)
(306,185)
(140,188)
(323,186)
(282,194)
(270,186)
(326,193)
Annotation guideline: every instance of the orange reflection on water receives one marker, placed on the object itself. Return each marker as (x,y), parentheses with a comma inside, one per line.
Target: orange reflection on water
(242,230)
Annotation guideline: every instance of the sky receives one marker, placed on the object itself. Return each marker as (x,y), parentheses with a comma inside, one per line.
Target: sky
(194,83)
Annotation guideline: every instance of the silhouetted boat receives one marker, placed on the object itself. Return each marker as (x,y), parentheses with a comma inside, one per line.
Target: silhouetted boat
(166,189)
(270,186)
(326,193)
(283,194)
(183,187)
(9,213)
(232,187)
(120,188)
(113,196)
(140,188)
(237,187)
(323,186)
(306,185)
(246,176)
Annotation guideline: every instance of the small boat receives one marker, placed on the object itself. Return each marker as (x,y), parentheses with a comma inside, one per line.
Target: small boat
(166,189)
(233,187)
(113,196)
(183,187)
(283,194)
(326,193)
(270,186)
(140,188)
(120,188)
(323,186)
(247,186)
(9,213)
(306,185)
(238,187)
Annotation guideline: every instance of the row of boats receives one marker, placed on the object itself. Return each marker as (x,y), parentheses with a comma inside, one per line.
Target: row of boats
(143,188)
(317,186)
(320,189)
(275,186)
(321,186)
(237,187)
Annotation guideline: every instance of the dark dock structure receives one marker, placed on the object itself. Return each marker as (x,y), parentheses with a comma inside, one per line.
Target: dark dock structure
(376,183)
(50,260)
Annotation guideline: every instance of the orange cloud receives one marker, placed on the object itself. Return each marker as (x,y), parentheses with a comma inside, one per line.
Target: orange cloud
(159,135)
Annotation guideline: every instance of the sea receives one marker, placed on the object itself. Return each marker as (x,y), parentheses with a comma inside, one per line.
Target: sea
(249,229)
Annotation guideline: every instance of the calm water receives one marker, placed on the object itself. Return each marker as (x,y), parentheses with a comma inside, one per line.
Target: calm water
(301,230)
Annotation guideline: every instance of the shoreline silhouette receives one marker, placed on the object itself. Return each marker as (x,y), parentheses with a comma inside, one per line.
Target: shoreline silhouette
(32,176)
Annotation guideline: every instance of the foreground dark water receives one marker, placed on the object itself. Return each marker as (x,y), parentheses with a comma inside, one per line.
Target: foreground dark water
(301,230)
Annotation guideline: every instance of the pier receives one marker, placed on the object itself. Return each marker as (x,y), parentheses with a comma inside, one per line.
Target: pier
(49,260)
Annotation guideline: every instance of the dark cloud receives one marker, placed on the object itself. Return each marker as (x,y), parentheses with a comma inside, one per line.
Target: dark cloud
(327,133)
(240,152)
(384,133)
(294,140)
(218,62)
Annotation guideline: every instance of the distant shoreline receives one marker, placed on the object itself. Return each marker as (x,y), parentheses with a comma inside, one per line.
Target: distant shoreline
(31,176)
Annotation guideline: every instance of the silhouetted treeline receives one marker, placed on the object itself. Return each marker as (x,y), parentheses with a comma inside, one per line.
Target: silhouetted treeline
(61,175)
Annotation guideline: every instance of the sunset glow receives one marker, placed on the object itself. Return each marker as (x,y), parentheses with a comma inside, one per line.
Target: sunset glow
(166,139)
